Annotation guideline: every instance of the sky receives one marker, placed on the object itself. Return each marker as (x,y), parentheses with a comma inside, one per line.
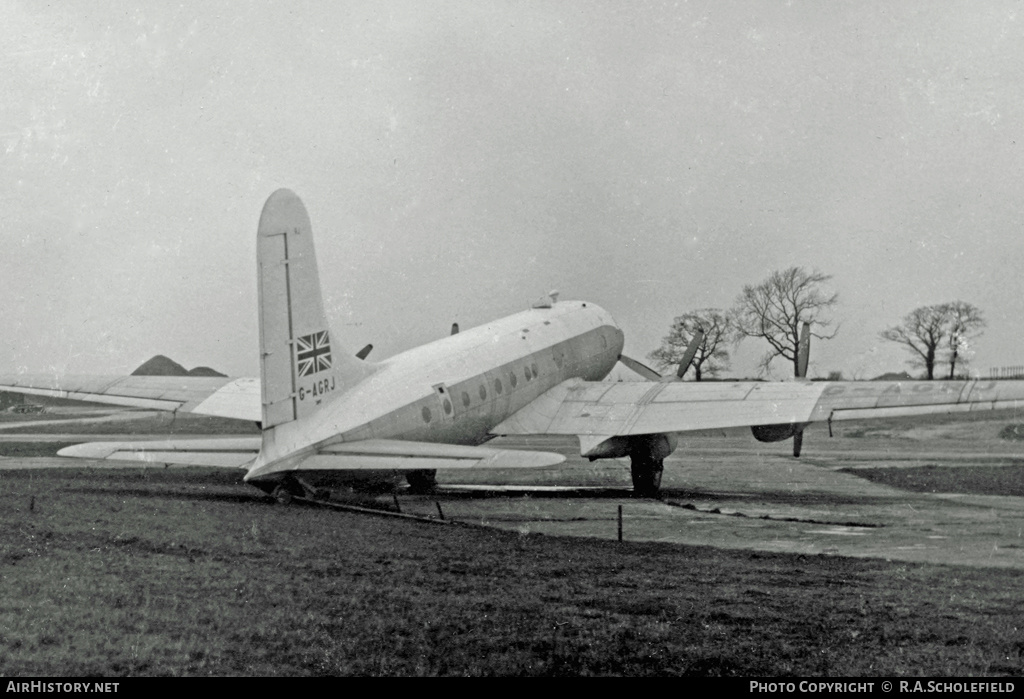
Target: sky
(461,159)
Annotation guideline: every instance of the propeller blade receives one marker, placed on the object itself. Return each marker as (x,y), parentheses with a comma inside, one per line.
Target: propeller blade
(803,354)
(361,354)
(691,351)
(640,368)
(455,328)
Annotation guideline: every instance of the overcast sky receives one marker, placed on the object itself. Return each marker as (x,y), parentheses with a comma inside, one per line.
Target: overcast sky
(460,159)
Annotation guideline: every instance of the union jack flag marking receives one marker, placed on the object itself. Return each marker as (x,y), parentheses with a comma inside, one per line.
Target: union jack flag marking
(313,353)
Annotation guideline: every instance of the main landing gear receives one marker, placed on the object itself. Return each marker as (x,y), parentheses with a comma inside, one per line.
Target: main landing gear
(421,482)
(646,473)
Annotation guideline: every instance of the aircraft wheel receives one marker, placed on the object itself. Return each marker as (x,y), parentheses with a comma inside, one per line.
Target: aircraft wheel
(646,473)
(282,495)
(422,481)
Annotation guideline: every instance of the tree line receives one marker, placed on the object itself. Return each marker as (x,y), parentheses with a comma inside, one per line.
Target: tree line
(776,309)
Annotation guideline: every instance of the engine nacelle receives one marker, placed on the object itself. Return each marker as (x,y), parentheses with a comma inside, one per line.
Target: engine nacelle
(653,446)
(776,433)
(611,448)
(646,453)
(650,446)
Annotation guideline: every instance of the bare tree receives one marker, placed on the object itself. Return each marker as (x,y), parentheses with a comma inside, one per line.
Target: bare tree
(925,330)
(964,323)
(776,308)
(921,332)
(711,356)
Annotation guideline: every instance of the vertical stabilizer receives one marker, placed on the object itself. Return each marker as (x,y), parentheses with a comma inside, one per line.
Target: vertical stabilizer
(302,365)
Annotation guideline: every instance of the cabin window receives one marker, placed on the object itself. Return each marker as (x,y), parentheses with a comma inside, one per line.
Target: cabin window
(483,392)
(447,405)
(465,399)
(426,414)
(526,372)
(512,378)
(533,368)
(497,386)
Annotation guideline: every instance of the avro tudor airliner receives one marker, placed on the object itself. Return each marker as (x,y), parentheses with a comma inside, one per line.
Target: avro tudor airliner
(324,409)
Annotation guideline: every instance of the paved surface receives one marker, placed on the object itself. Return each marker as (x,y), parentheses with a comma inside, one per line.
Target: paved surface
(737,493)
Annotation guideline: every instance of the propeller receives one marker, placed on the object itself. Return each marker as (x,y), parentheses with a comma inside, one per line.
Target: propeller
(691,352)
(803,355)
(803,352)
(640,368)
(684,365)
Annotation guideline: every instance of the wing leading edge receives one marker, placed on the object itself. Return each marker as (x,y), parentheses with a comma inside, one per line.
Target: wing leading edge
(584,408)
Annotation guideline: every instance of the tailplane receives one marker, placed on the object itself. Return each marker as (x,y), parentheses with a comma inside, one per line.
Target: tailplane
(302,365)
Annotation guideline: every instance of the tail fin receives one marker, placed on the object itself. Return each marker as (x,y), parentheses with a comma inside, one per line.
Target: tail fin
(301,363)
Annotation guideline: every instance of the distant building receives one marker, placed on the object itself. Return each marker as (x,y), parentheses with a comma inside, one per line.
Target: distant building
(1006,372)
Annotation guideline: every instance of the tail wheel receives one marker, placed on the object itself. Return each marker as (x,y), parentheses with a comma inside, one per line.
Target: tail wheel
(422,481)
(282,495)
(646,473)
(286,490)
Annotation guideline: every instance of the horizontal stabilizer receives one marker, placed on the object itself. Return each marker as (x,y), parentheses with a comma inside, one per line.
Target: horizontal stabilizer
(237,452)
(220,396)
(400,455)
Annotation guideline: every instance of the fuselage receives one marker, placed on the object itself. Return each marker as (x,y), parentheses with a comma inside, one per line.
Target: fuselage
(456,389)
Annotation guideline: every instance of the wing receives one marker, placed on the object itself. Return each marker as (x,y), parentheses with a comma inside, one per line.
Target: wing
(578,407)
(397,454)
(400,455)
(220,396)
(231,452)
(368,455)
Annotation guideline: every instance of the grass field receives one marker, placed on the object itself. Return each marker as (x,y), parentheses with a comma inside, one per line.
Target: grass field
(190,572)
(187,572)
(978,480)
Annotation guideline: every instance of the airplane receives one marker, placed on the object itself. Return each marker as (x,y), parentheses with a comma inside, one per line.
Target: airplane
(324,410)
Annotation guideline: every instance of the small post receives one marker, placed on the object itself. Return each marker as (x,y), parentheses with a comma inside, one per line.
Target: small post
(439,509)
(397,506)
(32,504)
(620,522)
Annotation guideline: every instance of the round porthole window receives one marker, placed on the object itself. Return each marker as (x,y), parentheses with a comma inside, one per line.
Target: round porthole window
(426,414)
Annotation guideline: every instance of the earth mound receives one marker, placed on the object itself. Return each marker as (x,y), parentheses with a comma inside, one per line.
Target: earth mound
(163,366)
